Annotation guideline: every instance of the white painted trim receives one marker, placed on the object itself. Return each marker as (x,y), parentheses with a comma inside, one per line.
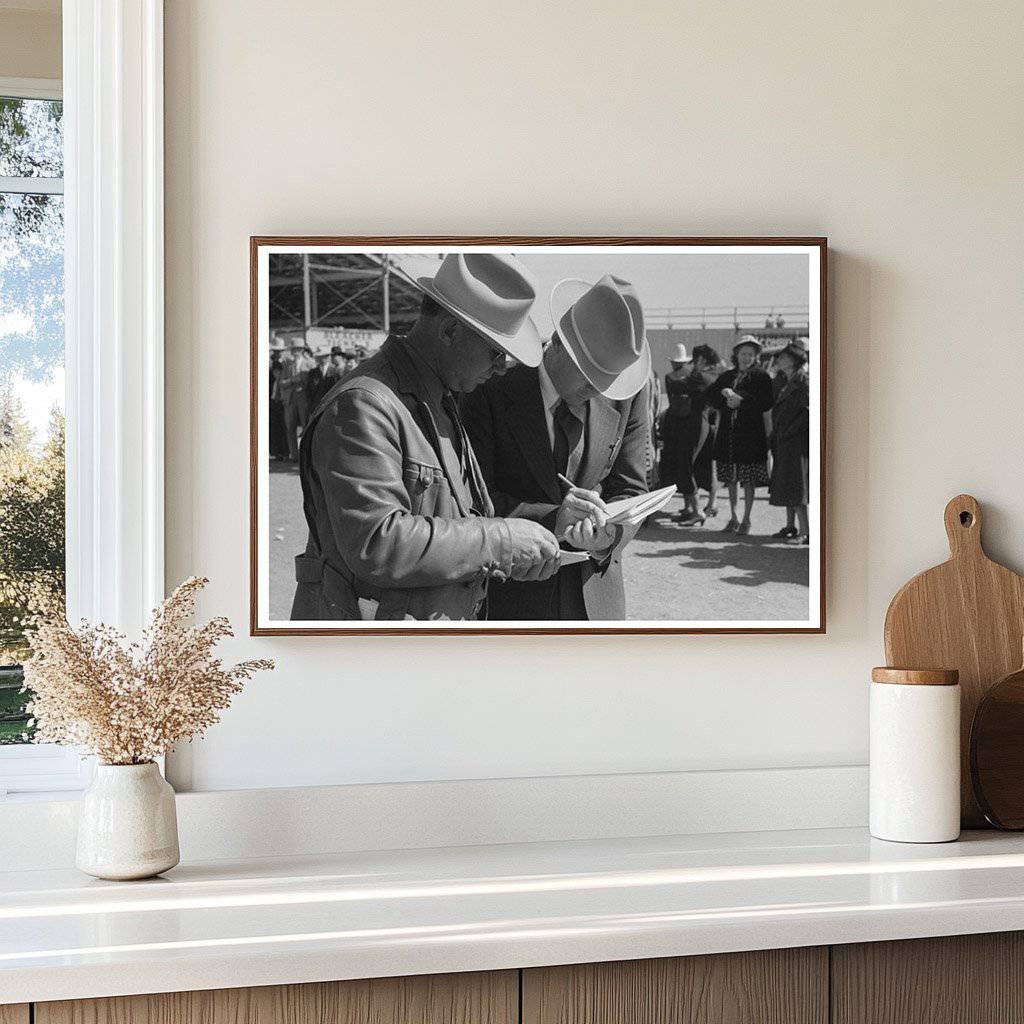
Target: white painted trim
(31,88)
(416,815)
(113,111)
(42,771)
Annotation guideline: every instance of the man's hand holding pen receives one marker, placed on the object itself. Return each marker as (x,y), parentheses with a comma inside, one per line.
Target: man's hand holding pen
(582,519)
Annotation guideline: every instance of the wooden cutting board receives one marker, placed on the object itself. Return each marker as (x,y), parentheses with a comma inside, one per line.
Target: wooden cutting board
(967,614)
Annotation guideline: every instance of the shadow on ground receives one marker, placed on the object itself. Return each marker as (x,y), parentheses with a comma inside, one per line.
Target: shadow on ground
(759,559)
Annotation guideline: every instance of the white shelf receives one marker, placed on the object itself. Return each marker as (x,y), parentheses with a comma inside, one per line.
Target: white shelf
(353,915)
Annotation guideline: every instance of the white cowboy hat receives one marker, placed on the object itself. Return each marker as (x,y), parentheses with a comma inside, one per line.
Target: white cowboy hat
(493,294)
(679,356)
(602,329)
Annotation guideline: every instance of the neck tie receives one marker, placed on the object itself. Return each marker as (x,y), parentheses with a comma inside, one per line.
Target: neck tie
(471,474)
(568,448)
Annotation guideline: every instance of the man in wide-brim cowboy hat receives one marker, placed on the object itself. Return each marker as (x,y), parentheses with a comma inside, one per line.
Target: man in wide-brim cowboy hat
(582,415)
(401,525)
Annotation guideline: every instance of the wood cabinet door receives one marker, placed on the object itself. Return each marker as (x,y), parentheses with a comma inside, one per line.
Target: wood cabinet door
(14,1013)
(961,979)
(479,998)
(777,986)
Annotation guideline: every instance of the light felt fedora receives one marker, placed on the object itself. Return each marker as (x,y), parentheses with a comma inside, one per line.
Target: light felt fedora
(679,355)
(602,329)
(748,339)
(492,294)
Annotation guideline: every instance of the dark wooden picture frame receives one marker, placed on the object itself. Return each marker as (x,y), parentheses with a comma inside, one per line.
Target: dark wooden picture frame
(374,243)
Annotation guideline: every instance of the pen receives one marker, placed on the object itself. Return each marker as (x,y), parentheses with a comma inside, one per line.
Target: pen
(565,480)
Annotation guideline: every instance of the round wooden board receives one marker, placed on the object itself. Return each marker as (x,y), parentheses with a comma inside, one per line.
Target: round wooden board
(997,753)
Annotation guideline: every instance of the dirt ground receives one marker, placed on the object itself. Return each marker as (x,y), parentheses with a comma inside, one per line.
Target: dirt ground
(671,572)
(675,572)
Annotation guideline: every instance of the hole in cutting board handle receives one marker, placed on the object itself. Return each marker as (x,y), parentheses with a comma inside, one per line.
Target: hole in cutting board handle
(962,517)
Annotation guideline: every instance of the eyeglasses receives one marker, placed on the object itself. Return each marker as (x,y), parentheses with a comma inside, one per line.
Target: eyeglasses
(501,361)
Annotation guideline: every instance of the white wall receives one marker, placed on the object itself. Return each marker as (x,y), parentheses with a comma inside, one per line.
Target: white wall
(30,39)
(895,129)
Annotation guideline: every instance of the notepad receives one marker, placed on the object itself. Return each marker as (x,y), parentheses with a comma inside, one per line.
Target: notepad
(631,511)
(625,512)
(572,557)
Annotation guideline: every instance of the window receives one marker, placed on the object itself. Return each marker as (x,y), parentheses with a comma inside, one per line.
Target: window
(32,530)
(111,175)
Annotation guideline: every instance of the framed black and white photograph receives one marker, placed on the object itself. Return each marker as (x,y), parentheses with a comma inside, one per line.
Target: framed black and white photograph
(537,435)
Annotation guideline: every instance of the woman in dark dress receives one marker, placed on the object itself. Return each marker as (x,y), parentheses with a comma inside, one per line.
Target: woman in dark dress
(677,443)
(688,431)
(743,396)
(708,363)
(791,426)
(278,437)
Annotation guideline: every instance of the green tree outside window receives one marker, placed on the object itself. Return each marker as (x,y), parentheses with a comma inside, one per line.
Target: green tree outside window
(32,553)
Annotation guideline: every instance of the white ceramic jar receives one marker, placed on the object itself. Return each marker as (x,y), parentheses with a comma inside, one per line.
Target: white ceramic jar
(127,824)
(915,755)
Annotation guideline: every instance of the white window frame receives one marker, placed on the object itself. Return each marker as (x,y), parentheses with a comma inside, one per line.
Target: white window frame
(114,323)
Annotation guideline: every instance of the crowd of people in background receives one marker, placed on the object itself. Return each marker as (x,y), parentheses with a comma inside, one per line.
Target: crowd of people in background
(298,380)
(744,427)
(741,427)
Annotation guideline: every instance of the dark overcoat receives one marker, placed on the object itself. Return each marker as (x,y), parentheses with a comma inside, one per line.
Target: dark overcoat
(506,422)
(791,434)
(742,438)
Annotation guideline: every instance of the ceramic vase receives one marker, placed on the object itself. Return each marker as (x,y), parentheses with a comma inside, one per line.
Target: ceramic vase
(127,826)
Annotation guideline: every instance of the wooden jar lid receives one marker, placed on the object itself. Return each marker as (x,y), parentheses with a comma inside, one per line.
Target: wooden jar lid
(916,676)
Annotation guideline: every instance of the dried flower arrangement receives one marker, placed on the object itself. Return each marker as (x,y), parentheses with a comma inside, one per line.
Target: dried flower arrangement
(129,703)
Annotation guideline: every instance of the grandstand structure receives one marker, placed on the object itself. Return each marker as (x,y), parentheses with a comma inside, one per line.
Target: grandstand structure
(319,295)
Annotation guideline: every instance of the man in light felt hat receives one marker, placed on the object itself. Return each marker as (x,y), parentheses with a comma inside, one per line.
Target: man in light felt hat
(582,415)
(291,387)
(401,525)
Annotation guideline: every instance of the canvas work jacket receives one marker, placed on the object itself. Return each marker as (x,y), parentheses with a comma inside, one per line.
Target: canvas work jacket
(389,512)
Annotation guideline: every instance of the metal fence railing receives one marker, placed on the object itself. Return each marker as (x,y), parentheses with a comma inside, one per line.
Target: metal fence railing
(738,318)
